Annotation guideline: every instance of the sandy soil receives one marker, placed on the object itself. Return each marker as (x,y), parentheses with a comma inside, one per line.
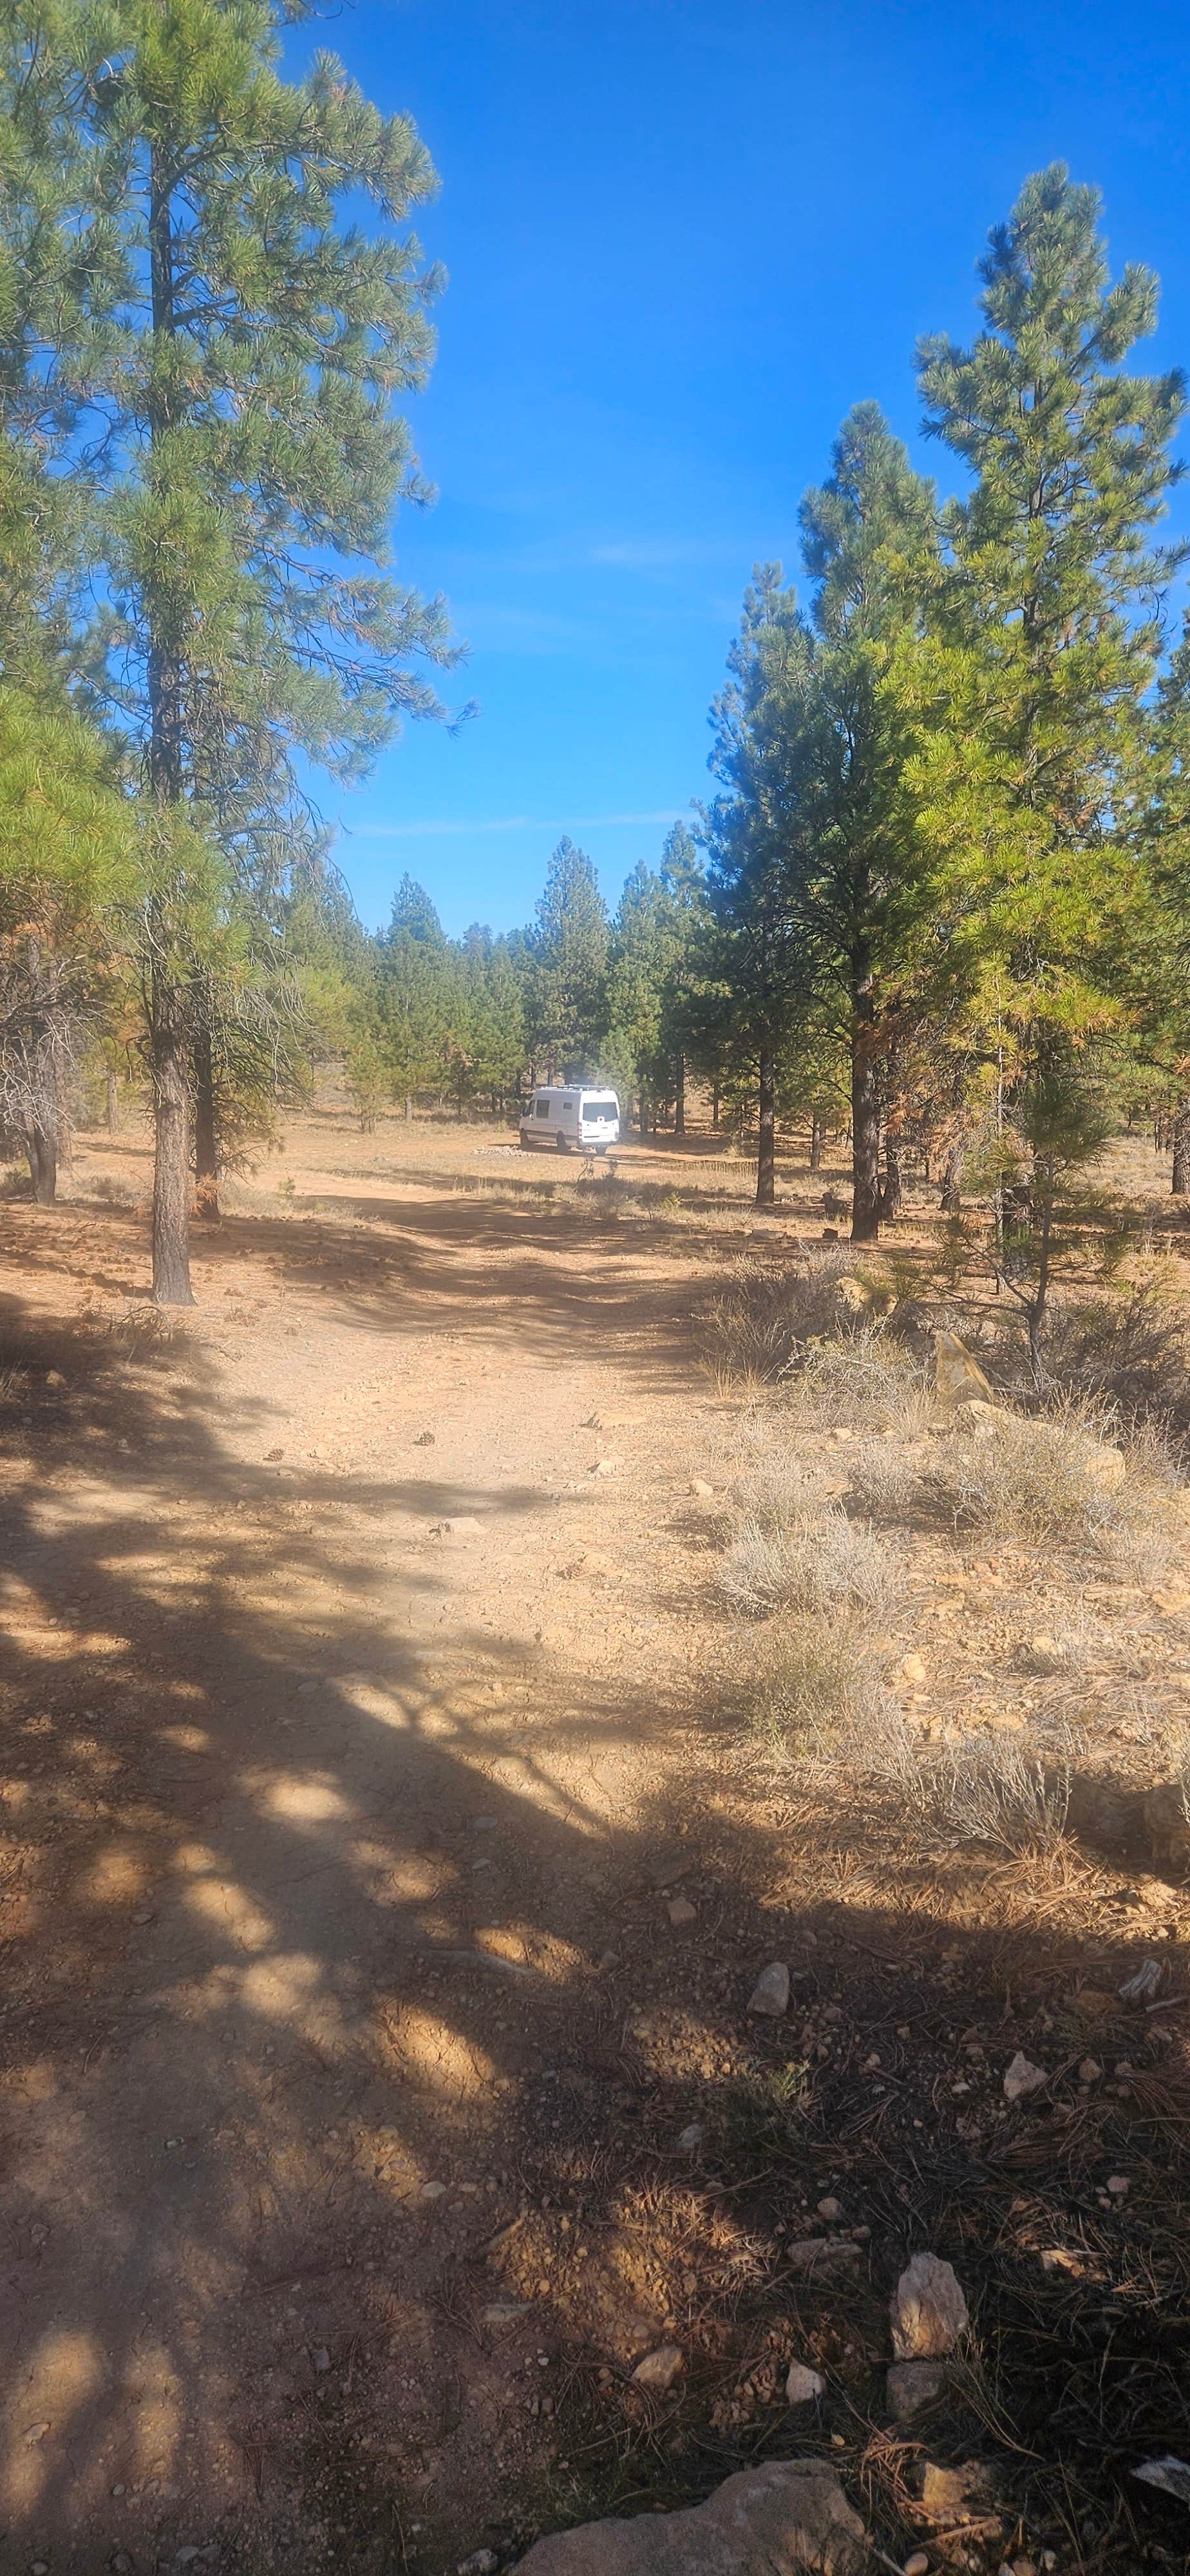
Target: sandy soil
(383,1882)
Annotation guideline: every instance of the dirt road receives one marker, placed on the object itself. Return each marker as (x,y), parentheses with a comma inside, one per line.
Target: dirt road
(385,1873)
(350,1638)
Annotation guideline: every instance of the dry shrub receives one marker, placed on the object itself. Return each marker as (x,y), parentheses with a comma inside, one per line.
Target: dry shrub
(1131,1353)
(1032,1478)
(760,1319)
(815,1689)
(867,1382)
(989,1789)
(822,1563)
(885,1484)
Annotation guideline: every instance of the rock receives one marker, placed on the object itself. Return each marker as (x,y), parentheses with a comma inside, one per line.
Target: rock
(977,1419)
(949,2491)
(1167,1824)
(957,1377)
(463,1525)
(320,2359)
(54,1378)
(819,2253)
(831,2210)
(424,1440)
(770,1994)
(1170,2474)
(505,2312)
(680,1910)
(699,1486)
(787,2517)
(918,2565)
(690,2140)
(660,2369)
(1089,2070)
(606,1467)
(928,2310)
(1118,2185)
(1144,1985)
(910,2385)
(669,1867)
(803,2386)
(482,2562)
(433,2190)
(1021,2078)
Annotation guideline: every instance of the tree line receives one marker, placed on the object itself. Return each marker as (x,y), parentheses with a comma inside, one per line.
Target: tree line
(936,897)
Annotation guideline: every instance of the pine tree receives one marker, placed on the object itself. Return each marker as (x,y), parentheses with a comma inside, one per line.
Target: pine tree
(756,981)
(684,884)
(570,943)
(638,961)
(1054,601)
(231,360)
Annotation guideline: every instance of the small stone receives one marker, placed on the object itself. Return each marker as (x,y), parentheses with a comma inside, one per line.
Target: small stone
(803,2386)
(659,2369)
(928,2310)
(809,2254)
(690,2139)
(320,2358)
(1022,2567)
(433,2190)
(122,2563)
(910,2385)
(482,2562)
(831,2210)
(946,2491)
(144,1914)
(680,1911)
(699,1486)
(35,2433)
(770,1994)
(1022,2078)
(424,1440)
(918,2565)
(606,1467)
(504,2312)
(669,1867)
(1089,2070)
(1118,2185)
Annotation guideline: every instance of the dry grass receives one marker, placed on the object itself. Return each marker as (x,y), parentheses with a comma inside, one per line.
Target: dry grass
(822,1563)
(815,1691)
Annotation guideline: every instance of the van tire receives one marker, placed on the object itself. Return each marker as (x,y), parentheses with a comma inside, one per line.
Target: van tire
(563,1143)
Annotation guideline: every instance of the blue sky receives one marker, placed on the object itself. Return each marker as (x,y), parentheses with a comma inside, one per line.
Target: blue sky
(683,236)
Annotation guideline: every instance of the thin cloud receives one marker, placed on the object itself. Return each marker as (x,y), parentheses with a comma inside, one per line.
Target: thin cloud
(510,823)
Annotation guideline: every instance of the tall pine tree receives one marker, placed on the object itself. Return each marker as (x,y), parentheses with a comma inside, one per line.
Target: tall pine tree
(233,388)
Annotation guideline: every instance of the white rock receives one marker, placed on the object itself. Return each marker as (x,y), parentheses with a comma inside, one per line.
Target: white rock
(770,1994)
(680,1910)
(803,2386)
(789,2515)
(699,1486)
(1022,2078)
(690,2140)
(831,2210)
(660,2369)
(928,2310)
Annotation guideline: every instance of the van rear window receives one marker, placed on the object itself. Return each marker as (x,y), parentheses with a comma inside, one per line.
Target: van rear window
(600,1109)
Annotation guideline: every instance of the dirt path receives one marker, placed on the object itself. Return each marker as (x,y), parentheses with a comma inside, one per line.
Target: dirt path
(384,1875)
(349,1643)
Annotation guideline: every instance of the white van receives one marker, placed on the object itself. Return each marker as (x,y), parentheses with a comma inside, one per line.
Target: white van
(572,1120)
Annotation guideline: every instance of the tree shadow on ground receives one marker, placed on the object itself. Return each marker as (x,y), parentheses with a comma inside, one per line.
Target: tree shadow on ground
(350,2046)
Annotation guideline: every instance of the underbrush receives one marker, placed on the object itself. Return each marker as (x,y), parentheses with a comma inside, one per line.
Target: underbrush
(806,1561)
(761,1322)
(814,1690)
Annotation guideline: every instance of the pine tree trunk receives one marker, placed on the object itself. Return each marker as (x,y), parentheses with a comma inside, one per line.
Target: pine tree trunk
(409,1109)
(43,1165)
(171,1162)
(815,1142)
(865,1123)
(206,1142)
(766,1150)
(951,1195)
(1180,1129)
(715,1107)
(167,1034)
(680,1095)
(890,1195)
(113,1103)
